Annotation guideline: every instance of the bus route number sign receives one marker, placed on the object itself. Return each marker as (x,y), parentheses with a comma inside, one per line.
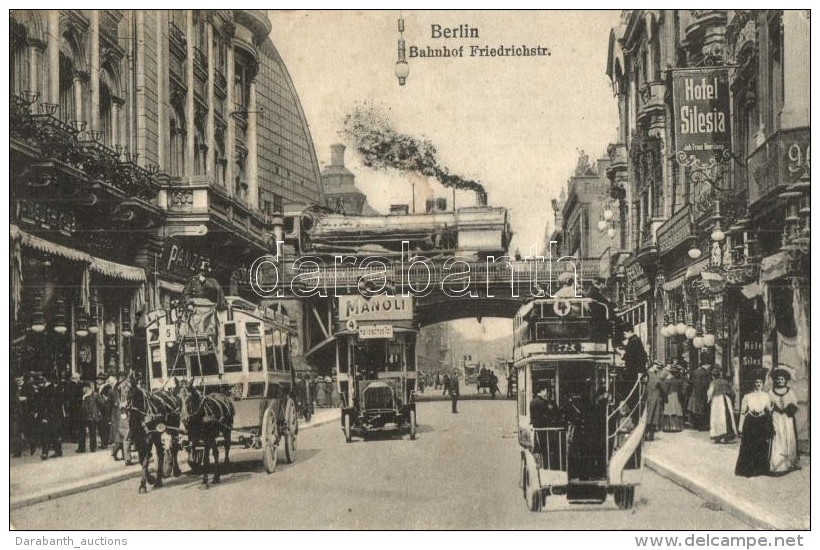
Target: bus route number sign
(561,308)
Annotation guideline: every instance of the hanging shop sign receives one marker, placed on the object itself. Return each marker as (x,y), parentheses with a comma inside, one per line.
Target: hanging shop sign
(636,277)
(785,158)
(702,123)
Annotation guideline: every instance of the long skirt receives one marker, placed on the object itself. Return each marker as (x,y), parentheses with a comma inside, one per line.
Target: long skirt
(784,444)
(721,419)
(753,458)
(672,413)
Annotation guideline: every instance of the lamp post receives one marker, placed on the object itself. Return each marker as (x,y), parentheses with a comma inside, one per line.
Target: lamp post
(402,69)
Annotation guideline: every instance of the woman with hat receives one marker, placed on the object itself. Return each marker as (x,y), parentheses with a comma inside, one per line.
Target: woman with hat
(755,431)
(784,406)
(654,401)
(672,386)
(722,428)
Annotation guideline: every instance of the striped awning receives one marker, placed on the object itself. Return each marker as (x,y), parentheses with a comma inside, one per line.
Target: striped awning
(98,265)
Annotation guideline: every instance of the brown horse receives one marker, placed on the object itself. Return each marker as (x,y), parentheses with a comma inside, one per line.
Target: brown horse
(153,420)
(205,417)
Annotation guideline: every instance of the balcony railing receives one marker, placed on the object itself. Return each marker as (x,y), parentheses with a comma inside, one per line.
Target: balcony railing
(784,159)
(60,141)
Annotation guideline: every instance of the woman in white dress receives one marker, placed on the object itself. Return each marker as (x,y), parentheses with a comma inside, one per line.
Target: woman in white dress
(722,428)
(783,458)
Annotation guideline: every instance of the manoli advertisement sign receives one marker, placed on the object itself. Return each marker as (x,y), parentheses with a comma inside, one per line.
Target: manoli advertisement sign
(702,123)
(377,308)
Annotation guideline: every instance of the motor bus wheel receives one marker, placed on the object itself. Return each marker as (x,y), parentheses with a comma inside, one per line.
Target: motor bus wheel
(625,497)
(269,445)
(532,496)
(348,437)
(292,431)
(412,424)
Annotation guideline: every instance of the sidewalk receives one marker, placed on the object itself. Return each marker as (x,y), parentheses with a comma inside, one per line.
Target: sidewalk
(692,460)
(32,480)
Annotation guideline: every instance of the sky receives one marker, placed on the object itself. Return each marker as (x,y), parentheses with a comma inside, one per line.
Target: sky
(514,123)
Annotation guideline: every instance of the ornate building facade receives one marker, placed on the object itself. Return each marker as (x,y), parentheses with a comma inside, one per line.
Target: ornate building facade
(145,146)
(725,244)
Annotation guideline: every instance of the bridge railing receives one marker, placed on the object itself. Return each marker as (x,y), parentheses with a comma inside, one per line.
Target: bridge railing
(480,273)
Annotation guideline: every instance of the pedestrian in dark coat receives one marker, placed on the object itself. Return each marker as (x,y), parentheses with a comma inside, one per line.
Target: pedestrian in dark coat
(119,427)
(634,355)
(28,400)
(49,419)
(15,419)
(446,384)
(106,403)
(71,399)
(700,381)
(91,416)
(454,392)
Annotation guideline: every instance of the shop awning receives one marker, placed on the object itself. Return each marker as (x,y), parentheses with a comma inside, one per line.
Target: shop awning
(118,271)
(692,271)
(98,265)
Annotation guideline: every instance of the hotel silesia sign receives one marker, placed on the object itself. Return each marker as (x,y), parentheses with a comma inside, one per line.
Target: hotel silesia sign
(701,102)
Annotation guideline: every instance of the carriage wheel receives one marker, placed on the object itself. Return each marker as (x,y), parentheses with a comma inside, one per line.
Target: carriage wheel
(412,424)
(348,437)
(292,430)
(269,447)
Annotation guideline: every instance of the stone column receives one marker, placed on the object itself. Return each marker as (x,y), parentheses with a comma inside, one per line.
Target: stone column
(162,89)
(94,83)
(796,70)
(230,137)
(53,56)
(117,129)
(35,55)
(253,162)
(190,124)
(209,122)
(78,98)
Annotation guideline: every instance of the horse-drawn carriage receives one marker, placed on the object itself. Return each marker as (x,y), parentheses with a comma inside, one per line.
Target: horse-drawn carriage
(230,371)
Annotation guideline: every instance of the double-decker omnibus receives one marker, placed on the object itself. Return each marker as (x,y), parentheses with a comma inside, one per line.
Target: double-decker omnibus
(243,351)
(581,437)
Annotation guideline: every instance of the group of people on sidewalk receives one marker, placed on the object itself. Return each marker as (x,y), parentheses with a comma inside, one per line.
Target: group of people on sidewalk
(45,414)
(765,422)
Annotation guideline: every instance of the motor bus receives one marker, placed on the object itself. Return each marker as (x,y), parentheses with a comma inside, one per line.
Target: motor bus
(581,438)
(376,365)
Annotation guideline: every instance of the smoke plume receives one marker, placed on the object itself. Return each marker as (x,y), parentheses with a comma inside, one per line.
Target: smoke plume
(381,146)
